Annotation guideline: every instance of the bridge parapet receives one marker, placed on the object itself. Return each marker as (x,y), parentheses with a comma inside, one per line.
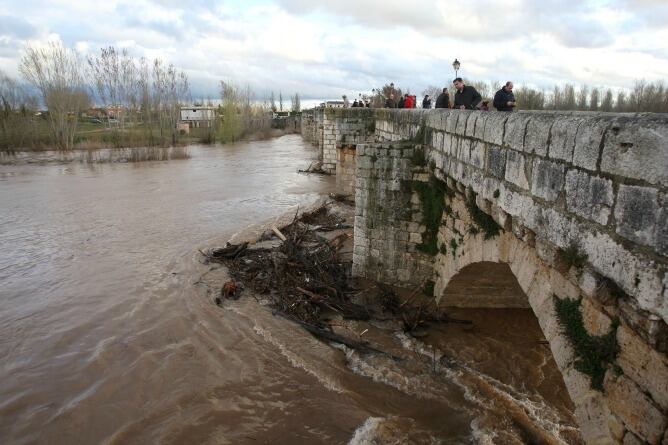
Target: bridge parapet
(575,203)
(596,182)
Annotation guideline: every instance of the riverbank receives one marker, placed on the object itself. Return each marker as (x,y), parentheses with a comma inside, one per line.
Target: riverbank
(464,358)
(104,154)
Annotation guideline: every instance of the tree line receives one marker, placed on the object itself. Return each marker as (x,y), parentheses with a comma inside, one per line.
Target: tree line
(642,97)
(141,100)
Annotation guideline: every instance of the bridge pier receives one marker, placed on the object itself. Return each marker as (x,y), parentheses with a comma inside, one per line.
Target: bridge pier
(575,204)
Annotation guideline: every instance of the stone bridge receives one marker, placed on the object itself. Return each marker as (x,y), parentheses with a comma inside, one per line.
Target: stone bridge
(575,205)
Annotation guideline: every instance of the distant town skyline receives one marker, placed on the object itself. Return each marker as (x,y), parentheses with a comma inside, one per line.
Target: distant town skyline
(325,49)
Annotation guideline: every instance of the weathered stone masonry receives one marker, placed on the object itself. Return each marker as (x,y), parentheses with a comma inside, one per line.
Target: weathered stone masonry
(587,186)
(336,128)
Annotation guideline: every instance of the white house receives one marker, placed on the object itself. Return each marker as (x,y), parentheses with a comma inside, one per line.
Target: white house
(197,117)
(334,104)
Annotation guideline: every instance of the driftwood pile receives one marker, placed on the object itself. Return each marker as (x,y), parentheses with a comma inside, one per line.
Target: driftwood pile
(306,281)
(303,276)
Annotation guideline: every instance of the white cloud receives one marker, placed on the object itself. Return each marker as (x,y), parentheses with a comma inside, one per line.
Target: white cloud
(327,49)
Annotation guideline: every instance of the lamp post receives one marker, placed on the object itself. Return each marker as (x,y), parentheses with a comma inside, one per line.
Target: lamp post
(456,66)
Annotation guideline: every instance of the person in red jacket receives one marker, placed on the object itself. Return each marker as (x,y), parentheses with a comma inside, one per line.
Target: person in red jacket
(408,102)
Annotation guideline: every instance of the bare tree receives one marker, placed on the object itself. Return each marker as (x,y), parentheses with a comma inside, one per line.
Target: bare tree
(280,100)
(17,107)
(557,99)
(638,95)
(606,104)
(622,104)
(568,102)
(55,72)
(296,103)
(529,98)
(272,102)
(105,72)
(583,96)
(594,99)
(116,82)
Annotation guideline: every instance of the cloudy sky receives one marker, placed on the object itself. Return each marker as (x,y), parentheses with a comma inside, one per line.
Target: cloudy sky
(323,49)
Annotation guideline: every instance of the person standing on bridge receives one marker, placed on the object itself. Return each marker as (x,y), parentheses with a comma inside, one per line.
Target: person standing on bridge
(443,99)
(426,102)
(346,102)
(466,97)
(504,99)
(390,102)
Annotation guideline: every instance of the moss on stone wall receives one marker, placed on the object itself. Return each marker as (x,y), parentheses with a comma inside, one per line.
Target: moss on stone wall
(594,353)
(429,288)
(573,256)
(485,222)
(453,247)
(418,159)
(419,136)
(432,197)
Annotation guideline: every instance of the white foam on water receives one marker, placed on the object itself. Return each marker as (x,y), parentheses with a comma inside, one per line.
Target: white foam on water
(366,433)
(480,435)
(390,430)
(296,361)
(539,412)
(384,370)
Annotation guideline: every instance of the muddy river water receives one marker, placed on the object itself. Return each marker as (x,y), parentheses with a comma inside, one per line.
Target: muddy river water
(108,336)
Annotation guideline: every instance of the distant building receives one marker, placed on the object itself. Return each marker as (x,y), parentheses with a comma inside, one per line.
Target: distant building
(183,127)
(334,104)
(198,117)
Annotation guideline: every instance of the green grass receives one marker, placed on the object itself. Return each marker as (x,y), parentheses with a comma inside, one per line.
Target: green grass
(594,353)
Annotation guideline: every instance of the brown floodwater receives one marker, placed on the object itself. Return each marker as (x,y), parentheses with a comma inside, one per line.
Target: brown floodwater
(108,332)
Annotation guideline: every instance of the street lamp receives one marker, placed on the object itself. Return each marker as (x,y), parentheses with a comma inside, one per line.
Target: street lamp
(456,66)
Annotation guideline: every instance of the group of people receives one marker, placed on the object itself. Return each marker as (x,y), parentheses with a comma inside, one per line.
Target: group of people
(361,103)
(466,98)
(406,101)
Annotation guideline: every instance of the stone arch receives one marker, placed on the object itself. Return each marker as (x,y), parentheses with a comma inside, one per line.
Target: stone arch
(540,283)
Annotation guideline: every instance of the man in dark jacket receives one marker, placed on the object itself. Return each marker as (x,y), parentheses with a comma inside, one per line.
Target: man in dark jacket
(443,99)
(402,100)
(390,102)
(504,99)
(426,102)
(466,97)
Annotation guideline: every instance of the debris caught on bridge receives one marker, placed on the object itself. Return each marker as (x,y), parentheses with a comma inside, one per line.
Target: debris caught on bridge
(305,271)
(314,167)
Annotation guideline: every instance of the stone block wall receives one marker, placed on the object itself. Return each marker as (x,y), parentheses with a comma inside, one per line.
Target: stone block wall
(560,175)
(308,125)
(387,218)
(594,184)
(346,162)
(344,126)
